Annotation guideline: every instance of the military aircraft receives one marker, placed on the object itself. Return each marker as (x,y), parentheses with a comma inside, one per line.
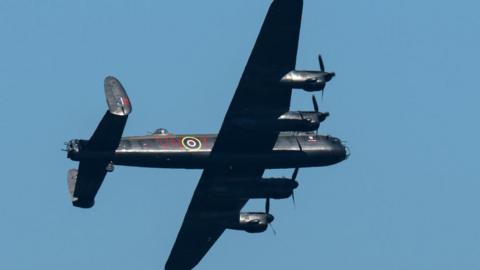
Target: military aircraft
(259,132)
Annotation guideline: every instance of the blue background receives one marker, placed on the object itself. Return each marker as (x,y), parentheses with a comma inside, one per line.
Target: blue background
(405,99)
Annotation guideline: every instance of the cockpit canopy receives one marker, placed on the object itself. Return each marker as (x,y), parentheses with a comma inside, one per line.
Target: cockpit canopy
(161,131)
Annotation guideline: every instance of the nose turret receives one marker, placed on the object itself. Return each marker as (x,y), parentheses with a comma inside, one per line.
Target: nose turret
(342,151)
(347,151)
(339,150)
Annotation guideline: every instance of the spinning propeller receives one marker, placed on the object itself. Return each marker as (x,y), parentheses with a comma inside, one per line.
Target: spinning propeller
(320,60)
(327,75)
(267,206)
(315,103)
(267,201)
(267,210)
(319,114)
(294,177)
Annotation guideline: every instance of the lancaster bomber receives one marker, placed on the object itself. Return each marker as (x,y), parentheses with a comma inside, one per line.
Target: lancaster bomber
(259,132)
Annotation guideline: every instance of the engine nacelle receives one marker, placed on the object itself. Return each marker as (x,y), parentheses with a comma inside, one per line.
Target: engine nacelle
(290,121)
(307,80)
(301,121)
(275,188)
(252,222)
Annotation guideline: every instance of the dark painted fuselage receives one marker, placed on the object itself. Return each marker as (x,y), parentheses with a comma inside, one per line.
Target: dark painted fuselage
(193,152)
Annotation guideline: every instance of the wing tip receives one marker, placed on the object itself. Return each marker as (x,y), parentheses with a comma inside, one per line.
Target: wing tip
(85,204)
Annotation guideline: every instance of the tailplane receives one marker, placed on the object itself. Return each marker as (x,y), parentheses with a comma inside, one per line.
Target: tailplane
(84,183)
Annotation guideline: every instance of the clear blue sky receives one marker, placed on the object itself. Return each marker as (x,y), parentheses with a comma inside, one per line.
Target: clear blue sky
(405,99)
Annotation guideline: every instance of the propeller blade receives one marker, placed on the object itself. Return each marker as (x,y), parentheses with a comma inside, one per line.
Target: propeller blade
(315,103)
(295,173)
(294,177)
(320,61)
(273,229)
(267,206)
(293,199)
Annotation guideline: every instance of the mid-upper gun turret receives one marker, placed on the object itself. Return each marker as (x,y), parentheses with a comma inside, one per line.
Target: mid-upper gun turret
(161,131)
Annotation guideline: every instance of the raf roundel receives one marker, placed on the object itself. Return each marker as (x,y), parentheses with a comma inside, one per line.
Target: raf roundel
(191,143)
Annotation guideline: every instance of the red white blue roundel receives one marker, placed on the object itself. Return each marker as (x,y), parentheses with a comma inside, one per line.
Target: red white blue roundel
(191,143)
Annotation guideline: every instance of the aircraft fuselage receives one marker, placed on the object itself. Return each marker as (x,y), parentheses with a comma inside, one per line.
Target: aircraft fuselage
(193,152)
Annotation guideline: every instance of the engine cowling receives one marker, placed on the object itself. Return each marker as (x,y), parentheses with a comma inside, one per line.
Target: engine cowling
(302,121)
(251,222)
(307,80)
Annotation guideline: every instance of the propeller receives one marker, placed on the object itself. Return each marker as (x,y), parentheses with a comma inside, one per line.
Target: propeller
(267,206)
(267,210)
(273,229)
(294,177)
(315,103)
(295,173)
(320,61)
(293,199)
(315,107)
(322,69)
(327,75)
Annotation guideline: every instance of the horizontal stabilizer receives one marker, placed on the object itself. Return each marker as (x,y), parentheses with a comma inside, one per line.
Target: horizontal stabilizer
(85,182)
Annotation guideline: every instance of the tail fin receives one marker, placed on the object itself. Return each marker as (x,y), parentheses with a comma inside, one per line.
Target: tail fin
(85,182)
(108,133)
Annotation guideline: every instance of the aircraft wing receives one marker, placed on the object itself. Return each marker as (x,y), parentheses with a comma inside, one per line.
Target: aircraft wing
(257,95)
(200,228)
